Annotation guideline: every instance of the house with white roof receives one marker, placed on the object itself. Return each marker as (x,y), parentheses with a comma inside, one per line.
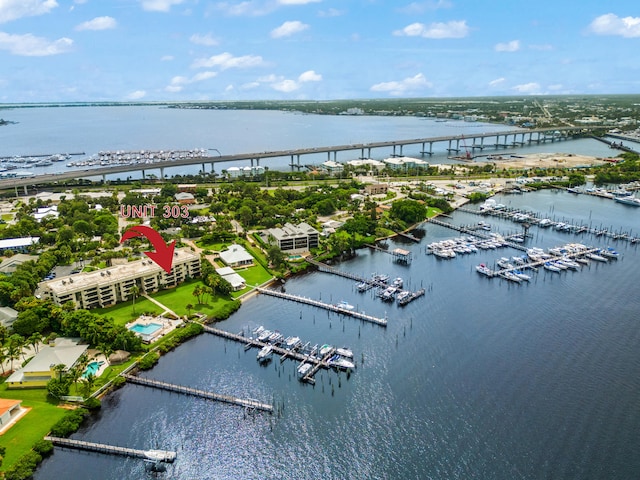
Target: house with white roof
(236,256)
(41,368)
(234,279)
(21,244)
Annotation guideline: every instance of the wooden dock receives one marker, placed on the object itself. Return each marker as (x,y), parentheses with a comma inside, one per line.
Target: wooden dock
(463,229)
(283,352)
(247,403)
(155,455)
(327,306)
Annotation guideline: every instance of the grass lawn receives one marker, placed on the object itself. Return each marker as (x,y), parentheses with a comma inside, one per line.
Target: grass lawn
(255,275)
(178,298)
(19,439)
(123,313)
(432,212)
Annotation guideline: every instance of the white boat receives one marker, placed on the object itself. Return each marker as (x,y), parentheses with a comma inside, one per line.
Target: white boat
(303,369)
(292,342)
(265,354)
(402,296)
(344,352)
(325,349)
(264,335)
(345,306)
(484,270)
(511,277)
(504,263)
(398,282)
(544,223)
(609,253)
(551,267)
(596,257)
(521,275)
(633,201)
(340,362)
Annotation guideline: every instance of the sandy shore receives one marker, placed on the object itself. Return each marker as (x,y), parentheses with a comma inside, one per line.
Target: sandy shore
(542,160)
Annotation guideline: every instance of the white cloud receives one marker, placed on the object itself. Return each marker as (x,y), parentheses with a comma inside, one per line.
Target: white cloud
(512,46)
(226,60)
(14,9)
(611,24)
(411,84)
(530,88)
(199,77)
(249,85)
(497,82)
(421,7)
(98,23)
(178,82)
(288,28)
(248,8)
(31,46)
(331,12)
(206,40)
(137,95)
(309,76)
(285,86)
(438,30)
(173,88)
(167,58)
(297,2)
(159,5)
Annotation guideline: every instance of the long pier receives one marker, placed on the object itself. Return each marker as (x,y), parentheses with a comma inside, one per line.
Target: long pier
(327,306)
(283,352)
(247,403)
(155,455)
(469,231)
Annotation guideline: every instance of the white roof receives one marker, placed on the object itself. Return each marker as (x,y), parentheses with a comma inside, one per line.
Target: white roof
(234,254)
(18,242)
(66,354)
(230,275)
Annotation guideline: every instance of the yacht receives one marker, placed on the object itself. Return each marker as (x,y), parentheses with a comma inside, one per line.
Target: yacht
(551,267)
(609,253)
(633,201)
(344,352)
(325,349)
(340,362)
(521,275)
(344,306)
(264,335)
(596,257)
(292,342)
(303,369)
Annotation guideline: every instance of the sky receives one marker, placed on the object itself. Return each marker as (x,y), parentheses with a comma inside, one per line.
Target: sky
(196,50)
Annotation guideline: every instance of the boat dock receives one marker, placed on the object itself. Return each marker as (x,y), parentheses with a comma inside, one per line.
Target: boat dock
(247,403)
(327,306)
(155,455)
(474,232)
(284,353)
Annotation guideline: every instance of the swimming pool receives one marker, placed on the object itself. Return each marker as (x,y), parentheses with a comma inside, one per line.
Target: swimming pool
(148,329)
(92,369)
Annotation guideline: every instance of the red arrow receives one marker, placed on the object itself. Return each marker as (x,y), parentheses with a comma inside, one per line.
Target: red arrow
(163,255)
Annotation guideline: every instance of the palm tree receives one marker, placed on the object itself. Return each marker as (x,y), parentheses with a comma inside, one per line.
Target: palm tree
(189,307)
(134,291)
(14,347)
(34,340)
(3,357)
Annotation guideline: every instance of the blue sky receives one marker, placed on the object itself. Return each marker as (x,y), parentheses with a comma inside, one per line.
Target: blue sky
(158,50)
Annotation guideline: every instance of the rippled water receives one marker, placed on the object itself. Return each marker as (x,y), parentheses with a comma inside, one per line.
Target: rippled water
(478,379)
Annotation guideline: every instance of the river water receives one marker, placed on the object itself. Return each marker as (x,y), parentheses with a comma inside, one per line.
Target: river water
(478,379)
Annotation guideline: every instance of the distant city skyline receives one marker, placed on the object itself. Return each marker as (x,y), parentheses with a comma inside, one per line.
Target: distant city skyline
(184,50)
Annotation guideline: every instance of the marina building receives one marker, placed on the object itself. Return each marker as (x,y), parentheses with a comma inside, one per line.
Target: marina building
(108,286)
(292,238)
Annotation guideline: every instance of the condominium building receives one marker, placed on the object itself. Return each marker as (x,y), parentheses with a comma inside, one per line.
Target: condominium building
(108,286)
(294,238)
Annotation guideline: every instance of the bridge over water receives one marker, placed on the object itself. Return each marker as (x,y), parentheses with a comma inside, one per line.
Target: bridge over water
(510,138)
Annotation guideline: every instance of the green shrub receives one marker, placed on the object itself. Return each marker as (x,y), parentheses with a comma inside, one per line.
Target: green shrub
(24,467)
(149,360)
(43,447)
(93,403)
(69,423)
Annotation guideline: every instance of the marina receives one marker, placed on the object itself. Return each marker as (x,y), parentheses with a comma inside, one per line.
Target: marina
(316,357)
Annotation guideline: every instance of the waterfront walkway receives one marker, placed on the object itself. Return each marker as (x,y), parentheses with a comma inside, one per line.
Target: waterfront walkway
(247,403)
(327,306)
(155,455)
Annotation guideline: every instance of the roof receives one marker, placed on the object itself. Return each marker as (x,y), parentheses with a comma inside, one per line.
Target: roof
(7,404)
(118,273)
(66,354)
(184,196)
(10,264)
(290,230)
(231,276)
(234,254)
(7,315)
(18,242)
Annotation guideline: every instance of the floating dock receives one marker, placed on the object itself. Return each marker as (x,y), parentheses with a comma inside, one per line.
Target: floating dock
(317,363)
(327,306)
(247,403)
(155,455)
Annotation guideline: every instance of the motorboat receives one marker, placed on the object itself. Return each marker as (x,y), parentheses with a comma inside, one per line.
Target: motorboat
(344,352)
(596,257)
(403,296)
(552,268)
(303,369)
(265,353)
(633,201)
(398,282)
(609,253)
(504,263)
(340,362)
(264,335)
(484,270)
(292,342)
(521,275)
(325,350)
(345,306)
